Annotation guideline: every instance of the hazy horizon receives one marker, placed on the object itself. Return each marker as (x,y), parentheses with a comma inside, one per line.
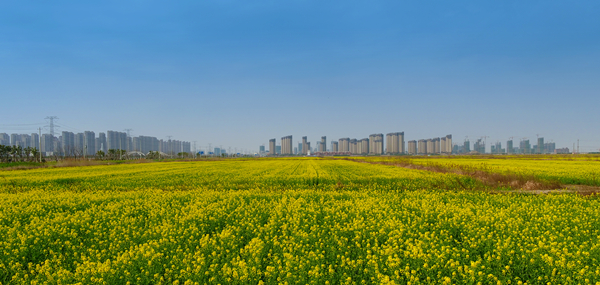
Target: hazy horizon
(237,74)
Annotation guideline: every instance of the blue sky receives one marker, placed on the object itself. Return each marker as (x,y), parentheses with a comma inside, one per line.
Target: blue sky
(236,74)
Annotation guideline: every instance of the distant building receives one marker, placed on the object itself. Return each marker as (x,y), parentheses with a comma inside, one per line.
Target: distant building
(430,146)
(422,147)
(286,145)
(344,144)
(412,147)
(101,142)
(479,146)
(334,146)
(4,139)
(89,141)
(467,146)
(35,141)
(549,147)
(47,146)
(436,145)
(272,147)
(323,144)
(376,144)
(561,150)
(364,146)
(525,147)
(353,146)
(446,144)
(67,144)
(305,145)
(118,140)
(394,143)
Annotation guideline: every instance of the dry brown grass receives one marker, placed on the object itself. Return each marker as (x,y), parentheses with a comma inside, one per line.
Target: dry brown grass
(488,177)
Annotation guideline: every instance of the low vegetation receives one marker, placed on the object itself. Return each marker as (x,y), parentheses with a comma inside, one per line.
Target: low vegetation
(294,221)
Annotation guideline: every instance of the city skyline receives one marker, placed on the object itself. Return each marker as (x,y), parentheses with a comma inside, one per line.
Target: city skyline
(17,129)
(215,71)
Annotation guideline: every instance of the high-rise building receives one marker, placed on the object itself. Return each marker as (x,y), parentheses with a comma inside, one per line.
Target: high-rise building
(344,144)
(35,141)
(436,145)
(412,147)
(422,149)
(363,146)
(286,145)
(101,142)
(47,146)
(14,139)
(467,146)
(430,146)
(549,147)
(305,147)
(376,144)
(323,144)
(334,146)
(540,145)
(89,141)
(509,147)
(136,144)
(4,139)
(261,149)
(448,147)
(525,147)
(272,147)
(497,148)
(148,144)
(79,143)
(395,143)
(67,144)
(446,144)
(118,140)
(353,146)
(25,140)
(479,146)
(443,145)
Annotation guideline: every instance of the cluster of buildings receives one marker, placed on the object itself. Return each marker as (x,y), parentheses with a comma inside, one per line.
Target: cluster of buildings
(395,145)
(87,143)
(441,145)
(524,147)
(373,145)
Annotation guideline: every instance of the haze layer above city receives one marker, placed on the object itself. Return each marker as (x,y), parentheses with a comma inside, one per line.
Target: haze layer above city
(234,74)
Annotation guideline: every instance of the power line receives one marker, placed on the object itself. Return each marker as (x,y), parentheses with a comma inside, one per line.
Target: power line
(52,118)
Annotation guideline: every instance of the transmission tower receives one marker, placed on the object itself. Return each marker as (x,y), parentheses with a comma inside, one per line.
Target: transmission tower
(51,119)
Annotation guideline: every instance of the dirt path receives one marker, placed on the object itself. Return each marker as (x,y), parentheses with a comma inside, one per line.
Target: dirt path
(519,183)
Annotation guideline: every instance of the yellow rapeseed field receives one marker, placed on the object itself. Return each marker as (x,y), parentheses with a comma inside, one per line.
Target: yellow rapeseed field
(577,171)
(286,221)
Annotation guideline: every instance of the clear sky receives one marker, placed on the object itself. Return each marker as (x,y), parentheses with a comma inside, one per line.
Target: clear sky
(237,73)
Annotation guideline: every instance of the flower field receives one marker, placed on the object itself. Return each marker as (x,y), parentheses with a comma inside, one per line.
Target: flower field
(286,221)
(578,171)
(263,175)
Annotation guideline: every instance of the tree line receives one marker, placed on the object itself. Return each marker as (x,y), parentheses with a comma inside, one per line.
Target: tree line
(18,153)
(10,154)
